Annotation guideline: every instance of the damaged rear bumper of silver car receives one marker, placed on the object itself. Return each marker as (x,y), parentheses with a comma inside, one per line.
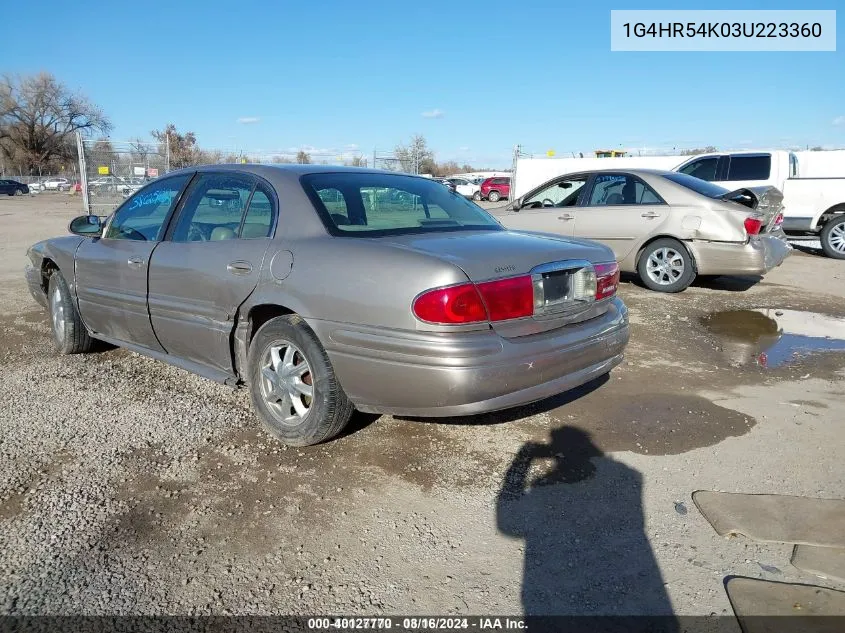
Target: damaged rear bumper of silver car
(755,257)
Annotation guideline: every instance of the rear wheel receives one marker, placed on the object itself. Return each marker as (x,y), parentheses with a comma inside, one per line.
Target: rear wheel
(493,196)
(666,266)
(293,386)
(476,196)
(18,192)
(833,238)
(69,333)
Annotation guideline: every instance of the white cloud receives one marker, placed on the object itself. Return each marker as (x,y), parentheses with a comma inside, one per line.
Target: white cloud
(433,114)
(463,149)
(351,146)
(249,119)
(840,120)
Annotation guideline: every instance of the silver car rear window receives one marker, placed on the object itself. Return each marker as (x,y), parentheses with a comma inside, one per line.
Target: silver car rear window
(369,204)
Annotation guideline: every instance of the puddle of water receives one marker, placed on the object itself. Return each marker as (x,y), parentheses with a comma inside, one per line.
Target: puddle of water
(768,337)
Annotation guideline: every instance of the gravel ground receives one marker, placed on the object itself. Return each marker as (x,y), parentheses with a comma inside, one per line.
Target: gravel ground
(131,487)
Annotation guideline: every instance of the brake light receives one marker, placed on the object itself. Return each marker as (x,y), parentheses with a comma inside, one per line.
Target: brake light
(454,304)
(779,219)
(607,280)
(752,225)
(509,298)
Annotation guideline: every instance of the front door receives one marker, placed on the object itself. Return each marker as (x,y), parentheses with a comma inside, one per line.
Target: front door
(208,264)
(620,211)
(551,209)
(111,271)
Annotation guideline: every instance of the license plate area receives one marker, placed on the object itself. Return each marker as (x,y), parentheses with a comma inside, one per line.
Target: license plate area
(563,288)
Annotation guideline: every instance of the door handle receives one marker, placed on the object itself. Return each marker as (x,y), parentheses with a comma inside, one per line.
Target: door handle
(650,214)
(566,216)
(239,268)
(136,262)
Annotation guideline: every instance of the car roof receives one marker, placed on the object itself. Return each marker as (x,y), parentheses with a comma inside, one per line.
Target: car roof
(295,170)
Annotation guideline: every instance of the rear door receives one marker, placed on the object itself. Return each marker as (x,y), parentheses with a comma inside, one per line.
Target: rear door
(209,264)
(620,210)
(550,209)
(111,271)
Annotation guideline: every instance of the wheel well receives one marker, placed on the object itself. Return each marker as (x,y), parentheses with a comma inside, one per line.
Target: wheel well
(48,267)
(835,210)
(665,237)
(260,314)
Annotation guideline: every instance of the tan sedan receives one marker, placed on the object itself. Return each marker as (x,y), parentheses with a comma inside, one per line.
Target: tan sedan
(664,226)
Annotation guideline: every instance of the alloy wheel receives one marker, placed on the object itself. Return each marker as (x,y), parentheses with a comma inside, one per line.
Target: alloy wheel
(665,266)
(286,383)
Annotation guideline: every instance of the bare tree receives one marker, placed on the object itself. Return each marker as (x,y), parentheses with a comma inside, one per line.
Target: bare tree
(281,160)
(303,158)
(414,155)
(184,151)
(39,117)
(698,150)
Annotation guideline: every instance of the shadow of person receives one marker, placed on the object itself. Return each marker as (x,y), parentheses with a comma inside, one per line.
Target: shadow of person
(586,551)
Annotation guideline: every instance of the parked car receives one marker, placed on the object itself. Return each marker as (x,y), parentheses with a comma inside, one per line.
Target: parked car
(13,188)
(664,226)
(446,183)
(494,189)
(323,298)
(465,187)
(56,184)
(814,208)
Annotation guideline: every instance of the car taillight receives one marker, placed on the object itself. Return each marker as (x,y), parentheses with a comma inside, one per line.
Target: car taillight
(752,225)
(509,298)
(779,219)
(607,280)
(454,304)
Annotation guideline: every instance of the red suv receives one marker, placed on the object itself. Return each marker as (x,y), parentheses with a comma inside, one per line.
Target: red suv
(494,189)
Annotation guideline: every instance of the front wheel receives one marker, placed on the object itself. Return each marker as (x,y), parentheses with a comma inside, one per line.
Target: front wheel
(493,196)
(833,238)
(293,385)
(69,333)
(666,266)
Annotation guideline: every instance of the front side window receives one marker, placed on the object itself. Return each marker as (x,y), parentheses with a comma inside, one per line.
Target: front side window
(621,189)
(750,167)
(142,217)
(213,209)
(561,194)
(704,168)
(383,204)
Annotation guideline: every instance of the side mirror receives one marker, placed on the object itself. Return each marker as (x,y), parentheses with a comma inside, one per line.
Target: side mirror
(86,226)
(517,204)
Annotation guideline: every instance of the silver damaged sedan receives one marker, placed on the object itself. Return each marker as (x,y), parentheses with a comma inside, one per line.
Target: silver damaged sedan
(327,289)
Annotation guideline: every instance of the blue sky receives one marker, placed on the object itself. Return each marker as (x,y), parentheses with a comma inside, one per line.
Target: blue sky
(475,78)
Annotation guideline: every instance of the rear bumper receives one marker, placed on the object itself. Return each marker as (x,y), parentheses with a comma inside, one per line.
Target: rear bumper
(33,283)
(439,375)
(757,257)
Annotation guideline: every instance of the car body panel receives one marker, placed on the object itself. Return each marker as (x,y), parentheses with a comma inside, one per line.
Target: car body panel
(195,290)
(185,307)
(111,279)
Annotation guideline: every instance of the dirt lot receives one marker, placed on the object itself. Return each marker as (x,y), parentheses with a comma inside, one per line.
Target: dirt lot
(128,486)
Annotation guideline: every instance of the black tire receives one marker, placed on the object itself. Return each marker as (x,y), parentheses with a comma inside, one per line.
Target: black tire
(831,236)
(72,338)
(476,196)
(680,283)
(328,409)
(493,196)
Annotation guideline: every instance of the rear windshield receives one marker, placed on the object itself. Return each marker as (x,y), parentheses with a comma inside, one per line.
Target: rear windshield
(697,184)
(368,204)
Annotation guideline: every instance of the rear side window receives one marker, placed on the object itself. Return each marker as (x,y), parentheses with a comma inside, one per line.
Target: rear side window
(750,167)
(260,215)
(704,168)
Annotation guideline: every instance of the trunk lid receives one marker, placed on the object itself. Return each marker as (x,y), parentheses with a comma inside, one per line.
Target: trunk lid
(490,255)
(764,200)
